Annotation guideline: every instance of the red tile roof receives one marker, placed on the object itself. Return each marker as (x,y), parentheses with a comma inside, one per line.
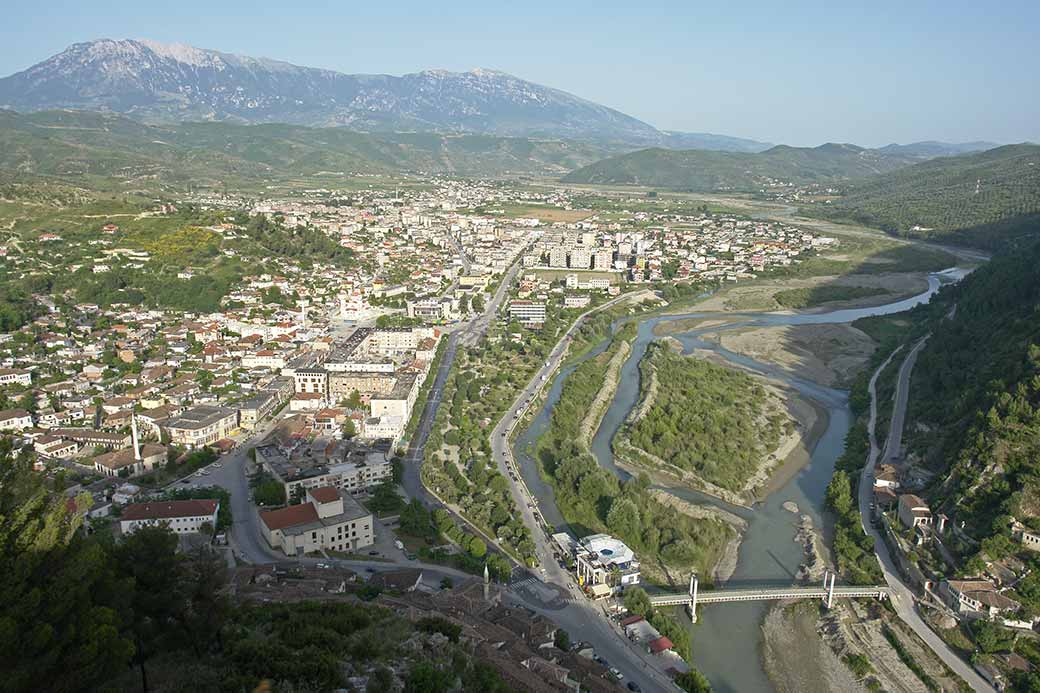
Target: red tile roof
(660,645)
(325,494)
(164,510)
(290,516)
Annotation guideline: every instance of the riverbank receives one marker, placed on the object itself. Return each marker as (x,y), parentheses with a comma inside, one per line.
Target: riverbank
(830,354)
(796,658)
(727,562)
(760,295)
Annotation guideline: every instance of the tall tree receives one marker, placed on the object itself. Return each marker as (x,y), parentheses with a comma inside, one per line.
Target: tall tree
(62,612)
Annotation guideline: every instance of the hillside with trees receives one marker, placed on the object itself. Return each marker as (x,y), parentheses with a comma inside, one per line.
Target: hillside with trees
(707,171)
(76,145)
(84,612)
(985,199)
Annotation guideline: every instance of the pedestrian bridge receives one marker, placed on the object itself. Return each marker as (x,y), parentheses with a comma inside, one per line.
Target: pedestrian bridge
(826,592)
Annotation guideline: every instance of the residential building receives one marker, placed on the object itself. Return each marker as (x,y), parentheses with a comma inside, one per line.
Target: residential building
(605,565)
(202,425)
(181,516)
(329,519)
(15,376)
(914,512)
(15,420)
(527,312)
(977,598)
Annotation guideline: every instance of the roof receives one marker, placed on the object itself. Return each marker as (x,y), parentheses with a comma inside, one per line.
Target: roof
(163,510)
(630,620)
(660,645)
(325,494)
(290,516)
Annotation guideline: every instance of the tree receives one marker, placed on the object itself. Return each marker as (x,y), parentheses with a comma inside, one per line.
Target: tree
(415,520)
(477,547)
(562,639)
(637,602)
(349,429)
(693,681)
(149,558)
(354,401)
(62,617)
(385,498)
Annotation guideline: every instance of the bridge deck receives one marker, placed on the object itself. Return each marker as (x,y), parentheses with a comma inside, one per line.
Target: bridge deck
(748,595)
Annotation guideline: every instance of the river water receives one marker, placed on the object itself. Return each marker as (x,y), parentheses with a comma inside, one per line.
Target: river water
(727,643)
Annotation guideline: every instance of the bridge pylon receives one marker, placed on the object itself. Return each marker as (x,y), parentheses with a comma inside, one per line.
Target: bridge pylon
(828,588)
(694,585)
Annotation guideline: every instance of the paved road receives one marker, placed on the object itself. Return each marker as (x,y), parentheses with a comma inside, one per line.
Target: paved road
(901,594)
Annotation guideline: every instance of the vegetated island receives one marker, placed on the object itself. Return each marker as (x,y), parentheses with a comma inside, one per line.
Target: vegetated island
(669,542)
(714,428)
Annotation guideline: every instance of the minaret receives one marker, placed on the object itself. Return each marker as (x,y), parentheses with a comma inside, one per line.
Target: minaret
(134,437)
(304,303)
(487,582)
(343,305)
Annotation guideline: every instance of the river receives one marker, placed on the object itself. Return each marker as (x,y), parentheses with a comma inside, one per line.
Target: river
(727,641)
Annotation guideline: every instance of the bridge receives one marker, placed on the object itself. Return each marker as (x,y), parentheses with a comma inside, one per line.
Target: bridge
(826,592)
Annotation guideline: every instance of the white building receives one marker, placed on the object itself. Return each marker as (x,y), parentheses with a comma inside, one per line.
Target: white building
(527,312)
(182,516)
(604,564)
(329,519)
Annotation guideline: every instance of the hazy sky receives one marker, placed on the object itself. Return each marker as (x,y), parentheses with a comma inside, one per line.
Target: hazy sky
(794,72)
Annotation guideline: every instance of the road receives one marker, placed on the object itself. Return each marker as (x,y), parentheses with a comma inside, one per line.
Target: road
(231,472)
(901,594)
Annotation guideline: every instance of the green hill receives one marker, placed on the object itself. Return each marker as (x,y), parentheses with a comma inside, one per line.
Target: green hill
(982,199)
(72,144)
(975,411)
(704,171)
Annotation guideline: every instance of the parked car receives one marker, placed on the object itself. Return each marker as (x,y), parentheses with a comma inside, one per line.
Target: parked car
(634,687)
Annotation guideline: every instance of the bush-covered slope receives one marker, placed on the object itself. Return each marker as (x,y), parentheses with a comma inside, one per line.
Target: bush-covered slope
(982,199)
(976,390)
(71,144)
(697,170)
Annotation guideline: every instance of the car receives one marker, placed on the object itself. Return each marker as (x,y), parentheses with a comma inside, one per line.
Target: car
(324,565)
(634,687)
(185,481)
(218,465)
(616,674)
(373,553)
(370,570)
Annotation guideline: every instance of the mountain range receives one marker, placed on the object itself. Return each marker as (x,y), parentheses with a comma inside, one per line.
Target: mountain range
(172,82)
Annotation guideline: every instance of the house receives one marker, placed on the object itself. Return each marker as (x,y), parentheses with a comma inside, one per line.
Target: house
(404,580)
(181,516)
(15,420)
(328,519)
(886,476)
(1028,538)
(15,376)
(604,564)
(202,425)
(976,598)
(914,512)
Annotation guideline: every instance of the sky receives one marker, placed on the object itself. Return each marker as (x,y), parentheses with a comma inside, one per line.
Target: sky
(799,73)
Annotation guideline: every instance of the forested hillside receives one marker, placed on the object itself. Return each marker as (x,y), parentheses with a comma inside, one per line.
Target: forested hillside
(702,171)
(74,144)
(985,199)
(975,400)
